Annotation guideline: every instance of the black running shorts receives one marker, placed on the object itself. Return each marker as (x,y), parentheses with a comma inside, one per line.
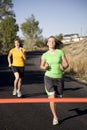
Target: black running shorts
(54,86)
(18,69)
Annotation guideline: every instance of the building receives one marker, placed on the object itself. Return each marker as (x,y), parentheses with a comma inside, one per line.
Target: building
(71,38)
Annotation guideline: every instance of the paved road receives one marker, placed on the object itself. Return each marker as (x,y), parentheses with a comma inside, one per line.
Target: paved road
(34,116)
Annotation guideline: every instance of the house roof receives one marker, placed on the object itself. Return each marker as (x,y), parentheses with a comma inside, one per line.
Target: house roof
(69,35)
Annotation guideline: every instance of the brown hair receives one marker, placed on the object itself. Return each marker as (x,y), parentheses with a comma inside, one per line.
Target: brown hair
(58,45)
(17,39)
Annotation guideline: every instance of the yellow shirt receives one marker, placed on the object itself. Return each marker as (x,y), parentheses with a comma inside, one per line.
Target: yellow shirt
(17,58)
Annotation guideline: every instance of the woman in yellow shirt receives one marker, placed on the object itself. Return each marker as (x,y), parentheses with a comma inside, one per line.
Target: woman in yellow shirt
(17,65)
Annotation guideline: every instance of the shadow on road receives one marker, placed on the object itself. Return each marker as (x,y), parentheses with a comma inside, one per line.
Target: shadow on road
(78,111)
(32,77)
(34,95)
(72,89)
(6,78)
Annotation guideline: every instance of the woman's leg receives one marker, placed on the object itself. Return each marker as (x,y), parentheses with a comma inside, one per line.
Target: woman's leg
(19,87)
(51,94)
(53,110)
(19,84)
(53,106)
(16,74)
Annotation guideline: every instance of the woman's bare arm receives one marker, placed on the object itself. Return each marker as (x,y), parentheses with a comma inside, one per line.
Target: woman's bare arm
(43,65)
(65,63)
(23,54)
(9,59)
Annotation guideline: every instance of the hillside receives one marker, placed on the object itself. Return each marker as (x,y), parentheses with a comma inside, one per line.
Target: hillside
(77,57)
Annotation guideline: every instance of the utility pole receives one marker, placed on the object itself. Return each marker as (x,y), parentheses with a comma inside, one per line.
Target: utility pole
(81,31)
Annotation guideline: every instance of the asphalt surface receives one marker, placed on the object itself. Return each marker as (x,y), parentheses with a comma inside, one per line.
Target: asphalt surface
(37,116)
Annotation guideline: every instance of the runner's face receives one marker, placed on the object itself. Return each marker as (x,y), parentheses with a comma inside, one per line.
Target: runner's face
(17,44)
(51,43)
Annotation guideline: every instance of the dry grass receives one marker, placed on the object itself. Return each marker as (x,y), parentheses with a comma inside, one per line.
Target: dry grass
(77,57)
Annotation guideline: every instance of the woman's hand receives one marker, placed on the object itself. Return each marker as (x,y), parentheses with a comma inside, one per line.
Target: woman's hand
(23,53)
(46,66)
(20,48)
(9,65)
(61,67)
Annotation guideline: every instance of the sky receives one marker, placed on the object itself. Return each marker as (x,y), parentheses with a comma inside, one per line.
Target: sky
(54,16)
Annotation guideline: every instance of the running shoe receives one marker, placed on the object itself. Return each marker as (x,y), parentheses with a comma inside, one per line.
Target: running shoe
(14,92)
(19,93)
(55,121)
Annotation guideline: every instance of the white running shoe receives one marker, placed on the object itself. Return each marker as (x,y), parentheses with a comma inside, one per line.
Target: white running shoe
(14,92)
(55,121)
(19,93)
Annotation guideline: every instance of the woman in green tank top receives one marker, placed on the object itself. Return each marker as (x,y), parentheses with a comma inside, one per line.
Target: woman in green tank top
(53,62)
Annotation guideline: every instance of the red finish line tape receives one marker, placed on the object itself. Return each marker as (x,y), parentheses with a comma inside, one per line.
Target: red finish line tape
(42,100)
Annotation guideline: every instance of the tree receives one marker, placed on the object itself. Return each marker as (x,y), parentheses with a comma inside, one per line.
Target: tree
(6,8)
(60,37)
(8,26)
(9,30)
(31,31)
